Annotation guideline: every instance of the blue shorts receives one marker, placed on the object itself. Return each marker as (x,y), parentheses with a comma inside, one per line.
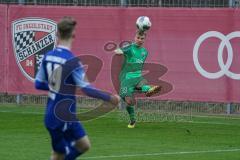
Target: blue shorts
(64,136)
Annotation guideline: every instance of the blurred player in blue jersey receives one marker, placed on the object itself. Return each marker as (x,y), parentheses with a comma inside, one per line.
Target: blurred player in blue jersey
(68,137)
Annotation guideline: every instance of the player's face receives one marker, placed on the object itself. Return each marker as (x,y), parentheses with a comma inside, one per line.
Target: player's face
(139,40)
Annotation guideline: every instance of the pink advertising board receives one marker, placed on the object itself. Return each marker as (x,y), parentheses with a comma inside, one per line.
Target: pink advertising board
(193,53)
(3,48)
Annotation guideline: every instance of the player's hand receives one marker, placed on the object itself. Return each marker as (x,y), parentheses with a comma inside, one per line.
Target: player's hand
(115,99)
(118,51)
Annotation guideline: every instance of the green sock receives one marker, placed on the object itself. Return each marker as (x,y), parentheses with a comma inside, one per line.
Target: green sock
(145,88)
(130,110)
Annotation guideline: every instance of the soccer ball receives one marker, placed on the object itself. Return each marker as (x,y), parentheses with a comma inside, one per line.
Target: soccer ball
(143,23)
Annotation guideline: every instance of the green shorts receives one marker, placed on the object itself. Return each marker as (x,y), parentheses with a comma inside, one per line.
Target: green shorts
(128,86)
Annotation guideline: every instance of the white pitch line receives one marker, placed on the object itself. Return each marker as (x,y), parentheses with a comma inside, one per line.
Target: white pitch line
(161,153)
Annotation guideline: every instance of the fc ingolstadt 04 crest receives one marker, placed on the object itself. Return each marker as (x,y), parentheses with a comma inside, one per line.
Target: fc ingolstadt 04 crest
(32,38)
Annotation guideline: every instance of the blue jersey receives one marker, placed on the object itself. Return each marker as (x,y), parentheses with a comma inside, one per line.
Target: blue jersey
(59,74)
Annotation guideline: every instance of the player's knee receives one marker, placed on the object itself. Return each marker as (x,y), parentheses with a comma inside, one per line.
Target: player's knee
(130,101)
(83,145)
(86,147)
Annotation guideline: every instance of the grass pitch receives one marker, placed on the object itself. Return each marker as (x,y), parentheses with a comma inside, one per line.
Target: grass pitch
(23,137)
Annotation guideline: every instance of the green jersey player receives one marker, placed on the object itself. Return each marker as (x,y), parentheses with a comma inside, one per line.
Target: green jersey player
(131,79)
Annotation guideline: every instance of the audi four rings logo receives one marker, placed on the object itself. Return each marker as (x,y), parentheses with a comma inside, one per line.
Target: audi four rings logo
(224,67)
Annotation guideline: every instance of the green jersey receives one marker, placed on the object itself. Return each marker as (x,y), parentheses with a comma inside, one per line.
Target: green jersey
(134,58)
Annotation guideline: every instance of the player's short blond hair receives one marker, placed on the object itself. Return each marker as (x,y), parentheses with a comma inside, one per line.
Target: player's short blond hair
(66,27)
